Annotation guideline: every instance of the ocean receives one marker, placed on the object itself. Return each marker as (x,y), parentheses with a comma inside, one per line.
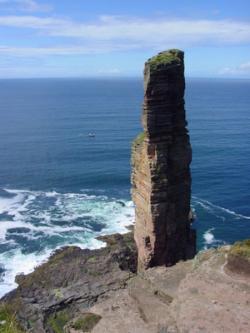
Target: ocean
(59,186)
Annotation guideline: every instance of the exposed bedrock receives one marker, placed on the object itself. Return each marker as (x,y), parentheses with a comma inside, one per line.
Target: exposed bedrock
(161,156)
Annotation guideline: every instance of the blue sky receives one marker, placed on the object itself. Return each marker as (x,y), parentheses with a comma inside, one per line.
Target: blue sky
(92,38)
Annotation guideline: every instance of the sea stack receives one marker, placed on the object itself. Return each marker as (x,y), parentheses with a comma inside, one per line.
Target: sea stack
(161,157)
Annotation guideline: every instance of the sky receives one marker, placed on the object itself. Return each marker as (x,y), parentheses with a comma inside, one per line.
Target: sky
(113,38)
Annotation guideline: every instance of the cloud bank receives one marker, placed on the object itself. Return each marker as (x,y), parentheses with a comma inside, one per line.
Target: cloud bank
(112,33)
(242,69)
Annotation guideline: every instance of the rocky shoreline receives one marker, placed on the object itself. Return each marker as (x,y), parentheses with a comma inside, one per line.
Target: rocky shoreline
(99,291)
(72,279)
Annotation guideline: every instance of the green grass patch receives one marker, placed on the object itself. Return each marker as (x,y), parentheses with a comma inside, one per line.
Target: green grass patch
(139,139)
(58,293)
(164,58)
(92,259)
(8,321)
(58,320)
(86,322)
(241,249)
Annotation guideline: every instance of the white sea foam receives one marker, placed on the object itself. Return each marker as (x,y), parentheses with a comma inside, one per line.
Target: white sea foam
(210,240)
(8,225)
(6,203)
(209,237)
(216,210)
(15,262)
(73,218)
(51,194)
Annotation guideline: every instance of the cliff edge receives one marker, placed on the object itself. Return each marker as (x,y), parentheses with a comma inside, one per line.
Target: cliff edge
(98,291)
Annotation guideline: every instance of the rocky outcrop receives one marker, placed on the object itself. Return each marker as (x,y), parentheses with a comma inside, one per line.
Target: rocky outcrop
(161,155)
(70,282)
(97,291)
(190,297)
(194,296)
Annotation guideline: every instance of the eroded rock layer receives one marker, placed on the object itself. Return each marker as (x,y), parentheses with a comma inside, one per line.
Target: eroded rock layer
(161,155)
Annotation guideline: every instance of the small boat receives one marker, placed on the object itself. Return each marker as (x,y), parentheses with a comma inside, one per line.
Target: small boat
(91,135)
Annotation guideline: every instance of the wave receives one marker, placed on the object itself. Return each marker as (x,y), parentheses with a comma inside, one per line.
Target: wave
(13,264)
(211,215)
(209,237)
(35,223)
(210,240)
(209,206)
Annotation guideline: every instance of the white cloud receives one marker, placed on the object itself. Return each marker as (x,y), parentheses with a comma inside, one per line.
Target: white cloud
(245,67)
(25,5)
(146,32)
(32,22)
(240,70)
(61,50)
(111,33)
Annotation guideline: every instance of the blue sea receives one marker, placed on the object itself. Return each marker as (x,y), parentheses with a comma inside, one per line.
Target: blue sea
(59,186)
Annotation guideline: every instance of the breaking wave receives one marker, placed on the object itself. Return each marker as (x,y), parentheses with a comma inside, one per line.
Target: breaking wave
(33,224)
(216,220)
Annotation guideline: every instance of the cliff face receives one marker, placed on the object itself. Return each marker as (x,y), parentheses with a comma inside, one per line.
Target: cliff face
(161,155)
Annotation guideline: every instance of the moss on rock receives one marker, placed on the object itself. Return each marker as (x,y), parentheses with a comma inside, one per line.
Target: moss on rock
(241,249)
(139,139)
(86,322)
(238,260)
(165,58)
(58,320)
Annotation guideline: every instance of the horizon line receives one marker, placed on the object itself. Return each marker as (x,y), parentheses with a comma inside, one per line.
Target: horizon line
(118,77)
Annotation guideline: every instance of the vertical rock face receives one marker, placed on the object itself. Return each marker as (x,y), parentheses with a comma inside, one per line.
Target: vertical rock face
(161,155)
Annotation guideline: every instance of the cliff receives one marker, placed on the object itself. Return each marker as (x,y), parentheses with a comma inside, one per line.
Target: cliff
(98,291)
(161,156)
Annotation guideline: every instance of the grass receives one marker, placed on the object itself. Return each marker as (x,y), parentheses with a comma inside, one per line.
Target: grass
(92,259)
(58,293)
(86,322)
(139,139)
(164,58)
(8,321)
(241,249)
(58,320)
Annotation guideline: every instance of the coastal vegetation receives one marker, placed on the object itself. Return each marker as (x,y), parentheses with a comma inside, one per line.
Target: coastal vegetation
(8,321)
(164,58)
(86,322)
(58,320)
(241,249)
(139,139)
